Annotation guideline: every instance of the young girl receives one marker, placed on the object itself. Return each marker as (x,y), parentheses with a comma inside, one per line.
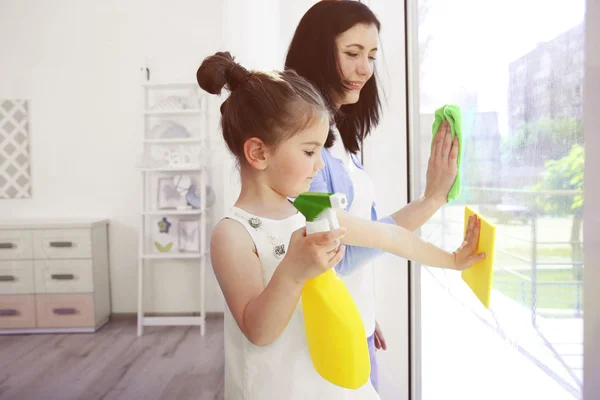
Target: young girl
(276,125)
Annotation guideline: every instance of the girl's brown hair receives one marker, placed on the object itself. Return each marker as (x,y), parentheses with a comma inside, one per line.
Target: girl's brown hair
(271,106)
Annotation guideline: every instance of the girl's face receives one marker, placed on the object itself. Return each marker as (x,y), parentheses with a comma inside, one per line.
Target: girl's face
(356,51)
(295,162)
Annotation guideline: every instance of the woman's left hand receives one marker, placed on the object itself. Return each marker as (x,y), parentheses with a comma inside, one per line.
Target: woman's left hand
(379,339)
(442,167)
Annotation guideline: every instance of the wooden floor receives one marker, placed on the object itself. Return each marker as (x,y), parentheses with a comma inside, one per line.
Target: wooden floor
(165,363)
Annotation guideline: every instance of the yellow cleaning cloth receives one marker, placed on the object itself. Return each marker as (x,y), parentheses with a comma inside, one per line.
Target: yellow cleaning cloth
(479,276)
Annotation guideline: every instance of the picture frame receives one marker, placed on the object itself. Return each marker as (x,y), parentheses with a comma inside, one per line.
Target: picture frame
(189,235)
(15,155)
(168,197)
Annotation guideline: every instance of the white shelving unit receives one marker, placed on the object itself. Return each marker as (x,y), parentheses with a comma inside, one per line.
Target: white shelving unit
(175,125)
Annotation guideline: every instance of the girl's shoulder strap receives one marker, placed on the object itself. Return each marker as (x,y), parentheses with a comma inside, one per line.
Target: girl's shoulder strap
(243,218)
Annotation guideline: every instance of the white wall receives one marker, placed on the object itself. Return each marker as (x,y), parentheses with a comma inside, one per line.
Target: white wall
(78,64)
(591,383)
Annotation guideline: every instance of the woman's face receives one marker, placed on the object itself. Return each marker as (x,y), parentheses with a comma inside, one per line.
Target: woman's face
(356,51)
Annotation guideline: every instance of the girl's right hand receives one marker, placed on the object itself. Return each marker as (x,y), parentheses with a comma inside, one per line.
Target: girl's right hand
(465,255)
(309,256)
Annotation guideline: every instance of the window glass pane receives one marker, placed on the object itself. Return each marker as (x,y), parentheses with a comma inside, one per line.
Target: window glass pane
(516,69)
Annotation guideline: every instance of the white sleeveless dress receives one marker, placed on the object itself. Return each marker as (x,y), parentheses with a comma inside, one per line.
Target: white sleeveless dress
(283,369)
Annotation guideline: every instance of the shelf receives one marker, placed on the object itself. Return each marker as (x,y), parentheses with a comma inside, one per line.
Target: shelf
(172,256)
(164,102)
(161,113)
(173,321)
(168,141)
(173,212)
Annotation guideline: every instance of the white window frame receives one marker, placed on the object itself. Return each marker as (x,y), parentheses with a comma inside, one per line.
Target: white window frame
(591,216)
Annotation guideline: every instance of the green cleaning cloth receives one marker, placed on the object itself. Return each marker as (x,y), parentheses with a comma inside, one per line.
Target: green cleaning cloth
(451,113)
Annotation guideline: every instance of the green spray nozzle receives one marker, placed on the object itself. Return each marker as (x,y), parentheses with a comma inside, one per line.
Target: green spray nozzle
(312,204)
(317,208)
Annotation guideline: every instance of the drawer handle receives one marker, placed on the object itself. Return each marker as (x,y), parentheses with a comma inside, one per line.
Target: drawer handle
(61,244)
(64,311)
(7,312)
(7,246)
(63,277)
(7,278)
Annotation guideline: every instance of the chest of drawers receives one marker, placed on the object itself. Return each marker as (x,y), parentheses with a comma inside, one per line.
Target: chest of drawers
(54,276)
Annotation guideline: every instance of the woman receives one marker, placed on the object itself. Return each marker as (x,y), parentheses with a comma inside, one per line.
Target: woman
(334,46)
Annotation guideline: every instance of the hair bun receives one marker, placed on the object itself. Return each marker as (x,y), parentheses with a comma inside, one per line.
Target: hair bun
(236,76)
(219,70)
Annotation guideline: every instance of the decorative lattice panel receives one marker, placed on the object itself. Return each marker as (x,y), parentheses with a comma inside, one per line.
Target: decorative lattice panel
(15,175)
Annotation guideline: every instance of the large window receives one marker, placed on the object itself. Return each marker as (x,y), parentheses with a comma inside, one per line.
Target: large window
(516,69)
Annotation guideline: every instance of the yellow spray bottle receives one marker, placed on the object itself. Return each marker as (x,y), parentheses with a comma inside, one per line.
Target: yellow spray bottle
(334,327)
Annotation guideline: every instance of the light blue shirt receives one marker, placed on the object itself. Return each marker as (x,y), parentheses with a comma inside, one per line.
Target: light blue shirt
(334,178)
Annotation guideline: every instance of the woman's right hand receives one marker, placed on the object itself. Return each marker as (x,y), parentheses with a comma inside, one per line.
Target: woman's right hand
(442,167)
(309,256)
(465,255)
